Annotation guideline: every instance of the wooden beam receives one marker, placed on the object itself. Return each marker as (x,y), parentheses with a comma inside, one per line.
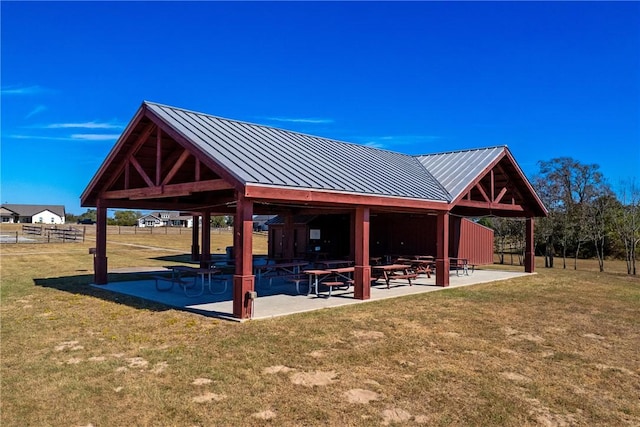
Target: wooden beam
(500,195)
(442,250)
(170,190)
(362,270)
(493,184)
(141,171)
(127,174)
(482,192)
(176,167)
(529,252)
(100,257)
(333,198)
(158,156)
(243,279)
(130,152)
(490,206)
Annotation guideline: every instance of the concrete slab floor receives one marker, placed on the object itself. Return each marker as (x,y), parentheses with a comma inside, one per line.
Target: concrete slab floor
(281,299)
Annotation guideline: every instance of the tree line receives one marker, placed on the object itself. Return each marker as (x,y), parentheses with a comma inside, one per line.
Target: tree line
(587,219)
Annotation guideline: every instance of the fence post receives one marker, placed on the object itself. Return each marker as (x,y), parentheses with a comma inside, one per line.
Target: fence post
(16,237)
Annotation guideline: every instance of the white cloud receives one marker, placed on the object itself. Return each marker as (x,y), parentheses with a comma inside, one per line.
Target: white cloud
(37,110)
(94,137)
(84,125)
(390,141)
(74,137)
(22,90)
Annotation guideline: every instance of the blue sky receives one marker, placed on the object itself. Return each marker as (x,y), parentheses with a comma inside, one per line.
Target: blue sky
(548,79)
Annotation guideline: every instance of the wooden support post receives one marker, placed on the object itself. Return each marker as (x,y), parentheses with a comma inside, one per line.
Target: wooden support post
(206,239)
(288,249)
(100,258)
(362,273)
(442,256)
(195,238)
(529,252)
(243,280)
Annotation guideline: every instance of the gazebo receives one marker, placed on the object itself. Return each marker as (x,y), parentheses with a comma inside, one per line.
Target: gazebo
(169,158)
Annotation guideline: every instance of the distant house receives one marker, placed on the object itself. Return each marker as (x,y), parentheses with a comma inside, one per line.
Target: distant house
(28,214)
(165,219)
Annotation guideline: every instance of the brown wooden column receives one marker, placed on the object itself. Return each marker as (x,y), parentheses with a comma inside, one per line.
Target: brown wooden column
(100,258)
(243,280)
(195,238)
(442,256)
(529,251)
(362,273)
(287,236)
(206,239)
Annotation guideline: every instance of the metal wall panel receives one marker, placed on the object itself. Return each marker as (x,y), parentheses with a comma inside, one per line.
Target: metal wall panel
(472,241)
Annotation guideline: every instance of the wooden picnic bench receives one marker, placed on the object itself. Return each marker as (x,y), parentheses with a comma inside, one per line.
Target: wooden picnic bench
(394,271)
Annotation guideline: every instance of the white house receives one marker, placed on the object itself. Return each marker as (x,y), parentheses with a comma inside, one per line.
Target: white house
(165,219)
(27,214)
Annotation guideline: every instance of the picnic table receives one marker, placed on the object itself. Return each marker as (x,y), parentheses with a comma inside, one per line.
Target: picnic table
(461,264)
(319,277)
(283,268)
(394,271)
(178,273)
(328,264)
(418,265)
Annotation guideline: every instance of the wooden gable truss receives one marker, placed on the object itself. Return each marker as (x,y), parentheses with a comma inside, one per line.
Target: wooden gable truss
(152,170)
(501,190)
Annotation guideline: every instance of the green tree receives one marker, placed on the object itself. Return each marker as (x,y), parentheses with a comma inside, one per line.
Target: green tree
(568,188)
(218,221)
(126,217)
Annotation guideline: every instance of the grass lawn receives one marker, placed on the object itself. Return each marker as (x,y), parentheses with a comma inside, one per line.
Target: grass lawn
(557,348)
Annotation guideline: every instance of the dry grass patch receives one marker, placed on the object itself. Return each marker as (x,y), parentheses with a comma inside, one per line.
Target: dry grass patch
(556,348)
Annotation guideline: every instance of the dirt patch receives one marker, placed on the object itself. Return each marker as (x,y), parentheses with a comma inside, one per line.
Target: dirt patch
(545,417)
(358,395)
(209,397)
(311,379)
(69,345)
(137,362)
(277,369)
(395,415)
(264,415)
(159,367)
(317,354)
(614,368)
(202,381)
(513,376)
(520,336)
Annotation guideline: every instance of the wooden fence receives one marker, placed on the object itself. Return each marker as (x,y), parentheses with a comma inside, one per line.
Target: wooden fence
(54,234)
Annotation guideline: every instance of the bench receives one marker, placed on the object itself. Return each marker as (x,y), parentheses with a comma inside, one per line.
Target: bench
(404,276)
(331,285)
(171,280)
(297,279)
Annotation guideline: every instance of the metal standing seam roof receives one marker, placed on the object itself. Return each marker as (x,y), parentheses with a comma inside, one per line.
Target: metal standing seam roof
(265,155)
(456,169)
